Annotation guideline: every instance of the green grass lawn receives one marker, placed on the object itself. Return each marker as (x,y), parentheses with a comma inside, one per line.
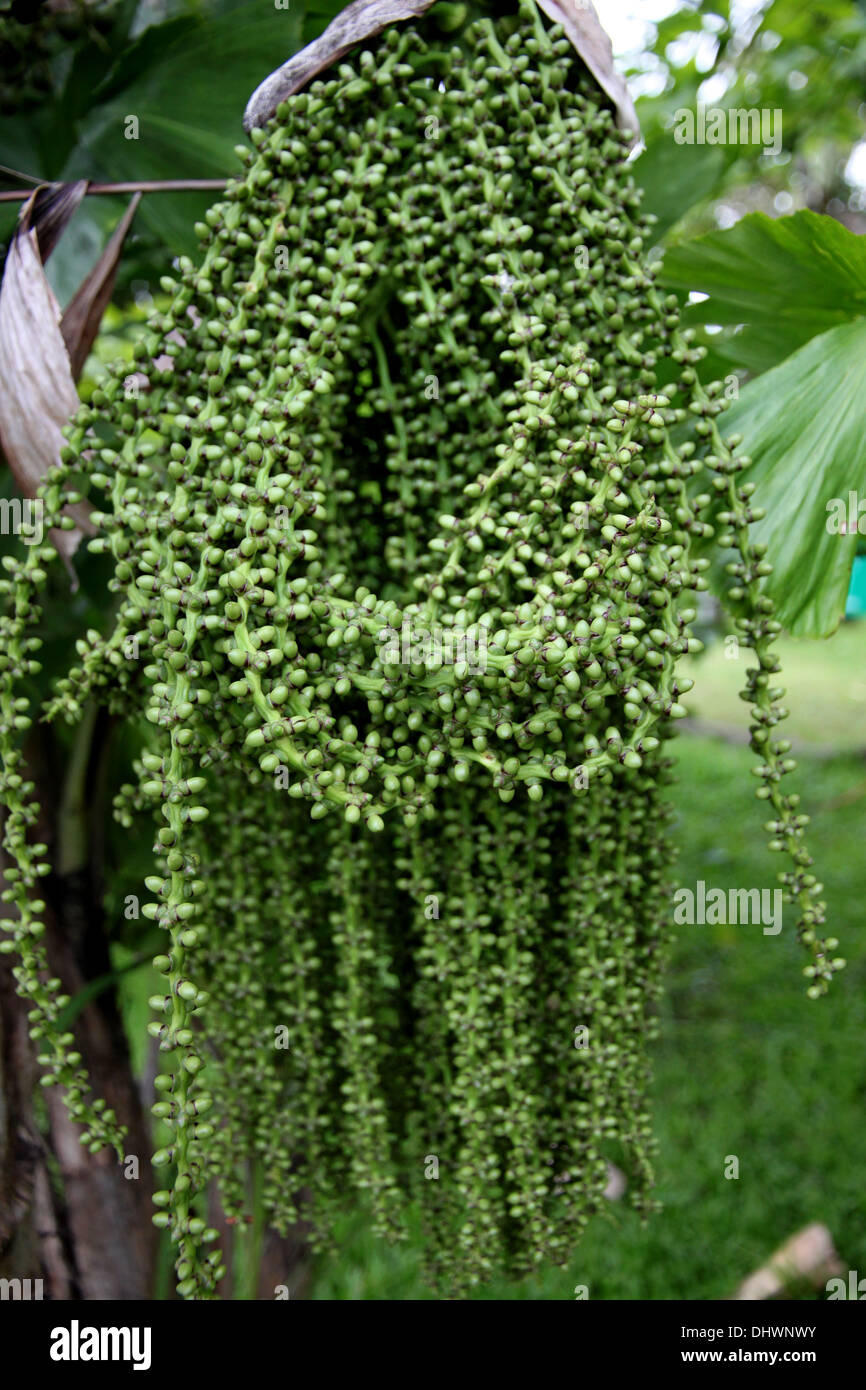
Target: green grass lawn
(746,1064)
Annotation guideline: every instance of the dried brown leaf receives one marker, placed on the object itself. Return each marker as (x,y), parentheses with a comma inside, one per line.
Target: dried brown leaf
(83,314)
(583,26)
(48,210)
(357,22)
(41,351)
(37,393)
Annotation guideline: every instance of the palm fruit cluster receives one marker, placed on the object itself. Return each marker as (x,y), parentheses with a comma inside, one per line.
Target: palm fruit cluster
(416,898)
(34,35)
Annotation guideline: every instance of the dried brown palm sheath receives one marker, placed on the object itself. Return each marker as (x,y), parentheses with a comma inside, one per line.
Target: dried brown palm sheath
(363,19)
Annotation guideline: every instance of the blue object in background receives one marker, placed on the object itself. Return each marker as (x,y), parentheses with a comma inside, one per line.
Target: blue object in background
(855,606)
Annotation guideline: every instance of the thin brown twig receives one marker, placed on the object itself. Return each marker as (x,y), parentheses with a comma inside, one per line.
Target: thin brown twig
(18,195)
(18,174)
